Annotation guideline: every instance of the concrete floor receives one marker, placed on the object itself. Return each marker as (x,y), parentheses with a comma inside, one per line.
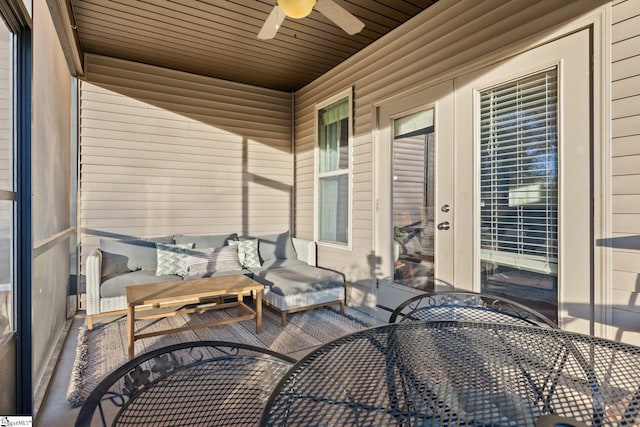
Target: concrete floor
(56,412)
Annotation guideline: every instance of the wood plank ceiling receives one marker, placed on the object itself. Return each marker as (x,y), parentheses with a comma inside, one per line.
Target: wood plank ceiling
(217,38)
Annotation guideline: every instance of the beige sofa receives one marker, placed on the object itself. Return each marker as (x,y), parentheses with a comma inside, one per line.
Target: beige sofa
(287,268)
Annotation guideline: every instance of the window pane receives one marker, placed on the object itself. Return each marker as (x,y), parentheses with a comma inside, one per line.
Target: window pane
(6,182)
(6,270)
(413,200)
(518,191)
(334,209)
(6,139)
(333,136)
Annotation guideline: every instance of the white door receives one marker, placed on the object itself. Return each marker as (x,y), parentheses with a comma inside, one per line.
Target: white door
(523,180)
(413,191)
(505,206)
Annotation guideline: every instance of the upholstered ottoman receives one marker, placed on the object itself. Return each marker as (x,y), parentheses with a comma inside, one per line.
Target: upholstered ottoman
(295,286)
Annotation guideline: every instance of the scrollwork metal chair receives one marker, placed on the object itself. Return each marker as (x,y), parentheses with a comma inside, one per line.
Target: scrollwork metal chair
(468,306)
(204,383)
(461,306)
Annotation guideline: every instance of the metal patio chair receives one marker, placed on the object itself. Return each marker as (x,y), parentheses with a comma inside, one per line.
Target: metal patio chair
(204,383)
(468,306)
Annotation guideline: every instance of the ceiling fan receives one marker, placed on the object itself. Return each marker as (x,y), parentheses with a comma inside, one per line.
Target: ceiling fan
(300,8)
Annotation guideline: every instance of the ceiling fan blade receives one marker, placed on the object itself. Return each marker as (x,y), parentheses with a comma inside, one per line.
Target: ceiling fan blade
(272,24)
(340,16)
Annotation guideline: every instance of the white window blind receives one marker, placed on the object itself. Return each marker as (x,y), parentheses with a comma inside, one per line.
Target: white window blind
(519,173)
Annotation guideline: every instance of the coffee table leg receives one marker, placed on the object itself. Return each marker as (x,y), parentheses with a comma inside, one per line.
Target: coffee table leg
(259,311)
(130,331)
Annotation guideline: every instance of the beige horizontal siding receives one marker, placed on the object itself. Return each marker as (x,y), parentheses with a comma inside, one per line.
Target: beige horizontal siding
(165,152)
(625,168)
(626,28)
(624,88)
(445,40)
(629,105)
(626,223)
(626,280)
(625,184)
(626,323)
(628,145)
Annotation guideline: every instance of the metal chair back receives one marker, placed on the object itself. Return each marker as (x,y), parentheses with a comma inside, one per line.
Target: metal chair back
(468,306)
(195,383)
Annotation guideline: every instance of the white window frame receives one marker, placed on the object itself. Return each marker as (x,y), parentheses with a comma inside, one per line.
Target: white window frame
(347,93)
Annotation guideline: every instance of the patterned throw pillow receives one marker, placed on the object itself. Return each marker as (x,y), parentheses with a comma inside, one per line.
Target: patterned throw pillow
(199,262)
(170,258)
(247,252)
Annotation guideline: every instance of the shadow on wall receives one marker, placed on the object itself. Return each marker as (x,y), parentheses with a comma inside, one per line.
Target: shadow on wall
(626,313)
(374,262)
(240,163)
(249,211)
(108,234)
(242,110)
(626,243)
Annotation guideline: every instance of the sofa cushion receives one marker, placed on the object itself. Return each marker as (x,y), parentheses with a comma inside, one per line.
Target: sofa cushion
(206,241)
(115,286)
(298,279)
(278,263)
(170,258)
(247,252)
(198,262)
(276,246)
(244,272)
(119,256)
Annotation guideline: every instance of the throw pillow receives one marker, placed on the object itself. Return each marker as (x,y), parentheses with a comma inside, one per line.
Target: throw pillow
(119,256)
(198,262)
(276,246)
(201,262)
(170,258)
(226,259)
(247,252)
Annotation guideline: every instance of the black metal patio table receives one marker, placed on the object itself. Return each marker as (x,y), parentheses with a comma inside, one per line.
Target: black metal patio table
(461,374)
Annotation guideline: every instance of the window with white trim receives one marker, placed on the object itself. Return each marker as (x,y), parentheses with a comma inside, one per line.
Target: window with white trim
(519,174)
(333,124)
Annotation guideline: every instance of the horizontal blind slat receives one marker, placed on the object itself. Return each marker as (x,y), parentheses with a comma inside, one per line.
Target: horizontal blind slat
(518,173)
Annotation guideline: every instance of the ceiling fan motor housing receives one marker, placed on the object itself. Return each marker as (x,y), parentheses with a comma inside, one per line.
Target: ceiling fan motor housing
(296,8)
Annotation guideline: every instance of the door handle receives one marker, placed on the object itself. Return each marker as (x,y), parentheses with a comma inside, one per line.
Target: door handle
(444,225)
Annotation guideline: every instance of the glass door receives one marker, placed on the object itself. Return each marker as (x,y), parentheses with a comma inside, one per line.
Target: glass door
(527,164)
(413,196)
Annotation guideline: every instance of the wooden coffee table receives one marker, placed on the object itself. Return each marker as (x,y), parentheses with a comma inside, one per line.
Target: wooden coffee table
(188,292)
